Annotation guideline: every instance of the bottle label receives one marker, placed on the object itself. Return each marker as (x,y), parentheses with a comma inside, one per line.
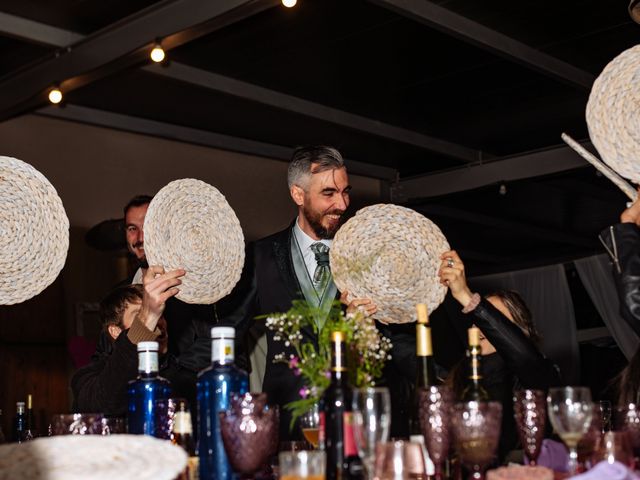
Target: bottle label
(182,423)
(321,433)
(222,350)
(349,440)
(148,362)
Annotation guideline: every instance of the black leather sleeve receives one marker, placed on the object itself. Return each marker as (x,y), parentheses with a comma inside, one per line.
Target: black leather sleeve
(524,359)
(623,243)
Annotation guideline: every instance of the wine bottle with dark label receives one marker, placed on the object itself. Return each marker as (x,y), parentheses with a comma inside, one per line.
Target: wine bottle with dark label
(474,391)
(425,368)
(342,458)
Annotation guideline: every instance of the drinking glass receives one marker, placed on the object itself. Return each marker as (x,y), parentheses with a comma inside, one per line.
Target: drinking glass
(310,425)
(303,465)
(249,432)
(529,411)
(590,441)
(614,447)
(628,419)
(371,419)
(435,422)
(77,424)
(570,411)
(476,431)
(164,411)
(605,414)
(399,460)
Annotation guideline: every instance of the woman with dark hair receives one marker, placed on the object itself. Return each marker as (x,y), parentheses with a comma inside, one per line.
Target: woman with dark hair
(511,358)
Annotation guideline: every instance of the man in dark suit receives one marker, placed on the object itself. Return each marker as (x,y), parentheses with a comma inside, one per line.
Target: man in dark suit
(294,264)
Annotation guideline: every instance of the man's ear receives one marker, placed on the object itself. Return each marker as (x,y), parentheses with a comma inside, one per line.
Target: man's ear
(297,193)
(114,331)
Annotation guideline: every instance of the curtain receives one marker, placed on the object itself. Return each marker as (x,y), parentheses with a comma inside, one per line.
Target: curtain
(597,278)
(546,292)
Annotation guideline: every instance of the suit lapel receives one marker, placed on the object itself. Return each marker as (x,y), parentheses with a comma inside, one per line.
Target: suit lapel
(282,254)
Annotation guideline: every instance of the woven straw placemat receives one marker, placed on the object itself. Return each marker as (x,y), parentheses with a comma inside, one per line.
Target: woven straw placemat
(190,225)
(613,114)
(390,254)
(34,232)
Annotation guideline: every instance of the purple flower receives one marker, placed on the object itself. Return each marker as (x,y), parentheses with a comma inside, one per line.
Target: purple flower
(296,372)
(303,392)
(327,374)
(293,362)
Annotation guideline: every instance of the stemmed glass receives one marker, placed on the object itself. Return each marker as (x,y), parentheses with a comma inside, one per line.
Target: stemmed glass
(249,432)
(590,441)
(605,413)
(310,425)
(435,422)
(371,419)
(570,411)
(476,430)
(529,411)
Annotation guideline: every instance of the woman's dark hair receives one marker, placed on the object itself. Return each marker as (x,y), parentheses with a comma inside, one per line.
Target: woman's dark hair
(627,382)
(113,305)
(519,312)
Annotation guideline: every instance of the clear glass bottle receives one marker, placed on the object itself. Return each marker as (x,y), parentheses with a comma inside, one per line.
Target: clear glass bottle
(215,386)
(145,390)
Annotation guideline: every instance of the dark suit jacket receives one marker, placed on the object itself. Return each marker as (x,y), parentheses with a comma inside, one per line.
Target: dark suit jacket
(269,285)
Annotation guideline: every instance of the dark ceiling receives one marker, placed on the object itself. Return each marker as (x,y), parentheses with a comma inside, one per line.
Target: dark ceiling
(406,89)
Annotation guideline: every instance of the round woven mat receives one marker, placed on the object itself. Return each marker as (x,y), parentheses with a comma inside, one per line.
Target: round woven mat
(95,457)
(34,232)
(190,225)
(391,255)
(613,114)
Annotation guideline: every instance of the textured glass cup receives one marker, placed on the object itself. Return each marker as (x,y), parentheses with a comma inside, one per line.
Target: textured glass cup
(399,460)
(249,432)
(570,411)
(165,410)
(614,447)
(371,420)
(589,442)
(434,405)
(627,419)
(530,413)
(476,431)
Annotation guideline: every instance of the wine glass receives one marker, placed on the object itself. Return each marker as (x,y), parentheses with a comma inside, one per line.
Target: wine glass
(435,422)
(570,411)
(399,460)
(605,413)
(529,411)
(371,419)
(310,425)
(249,432)
(476,430)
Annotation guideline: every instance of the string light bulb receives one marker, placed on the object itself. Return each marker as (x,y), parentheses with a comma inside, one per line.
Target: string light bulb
(289,3)
(55,95)
(157,53)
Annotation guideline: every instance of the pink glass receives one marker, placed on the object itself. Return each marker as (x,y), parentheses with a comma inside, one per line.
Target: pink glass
(476,430)
(249,432)
(530,413)
(614,447)
(399,460)
(628,419)
(165,410)
(77,424)
(435,422)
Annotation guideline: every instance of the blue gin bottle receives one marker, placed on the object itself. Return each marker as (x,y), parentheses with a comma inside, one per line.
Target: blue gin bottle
(216,384)
(145,390)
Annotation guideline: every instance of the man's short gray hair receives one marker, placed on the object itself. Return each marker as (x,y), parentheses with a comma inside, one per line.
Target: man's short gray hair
(304,158)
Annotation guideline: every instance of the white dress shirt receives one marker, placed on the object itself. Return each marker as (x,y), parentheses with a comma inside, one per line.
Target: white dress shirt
(305,242)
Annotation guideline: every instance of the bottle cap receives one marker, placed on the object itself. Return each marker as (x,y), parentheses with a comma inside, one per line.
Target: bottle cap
(223,332)
(474,336)
(337,336)
(29,401)
(148,346)
(423,316)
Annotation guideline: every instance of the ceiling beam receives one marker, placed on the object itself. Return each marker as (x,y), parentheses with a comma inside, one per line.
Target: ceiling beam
(517,167)
(120,45)
(194,136)
(289,103)
(36,32)
(511,226)
(229,86)
(451,23)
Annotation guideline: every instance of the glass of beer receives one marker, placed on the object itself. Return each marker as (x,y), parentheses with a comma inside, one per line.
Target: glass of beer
(310,424)
(303,465)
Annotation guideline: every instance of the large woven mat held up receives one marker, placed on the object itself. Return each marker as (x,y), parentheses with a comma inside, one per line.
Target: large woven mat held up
(190,225)
(34,232)
(391,255)
(613,114)
(95,457)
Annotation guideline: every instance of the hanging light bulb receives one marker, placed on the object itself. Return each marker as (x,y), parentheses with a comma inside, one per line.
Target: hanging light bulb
(157,54)
(55,95)
(289,3)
